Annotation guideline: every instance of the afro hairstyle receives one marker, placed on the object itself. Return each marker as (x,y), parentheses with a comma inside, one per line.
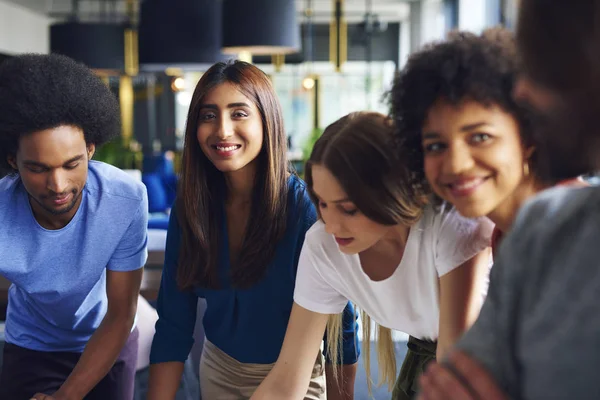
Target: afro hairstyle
(44,91)
(482,68)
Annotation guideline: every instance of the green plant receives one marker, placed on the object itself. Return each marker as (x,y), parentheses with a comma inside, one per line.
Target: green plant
(315,134)
(120,154)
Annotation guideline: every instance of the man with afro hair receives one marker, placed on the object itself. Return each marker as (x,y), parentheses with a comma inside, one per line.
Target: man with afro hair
(72,233)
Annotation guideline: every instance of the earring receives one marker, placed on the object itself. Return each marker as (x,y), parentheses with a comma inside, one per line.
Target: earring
(525,169)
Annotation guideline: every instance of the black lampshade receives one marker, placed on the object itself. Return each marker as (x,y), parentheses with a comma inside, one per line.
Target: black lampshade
(4,57)
(180,33)
(97,45)
(260,27)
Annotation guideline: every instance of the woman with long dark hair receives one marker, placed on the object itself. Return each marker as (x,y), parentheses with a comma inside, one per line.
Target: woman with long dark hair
(234,239)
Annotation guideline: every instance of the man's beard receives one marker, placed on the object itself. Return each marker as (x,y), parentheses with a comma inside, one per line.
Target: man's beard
(567,143)
(64,210)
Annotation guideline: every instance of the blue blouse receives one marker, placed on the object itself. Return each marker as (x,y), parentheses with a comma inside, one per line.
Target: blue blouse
(247,324)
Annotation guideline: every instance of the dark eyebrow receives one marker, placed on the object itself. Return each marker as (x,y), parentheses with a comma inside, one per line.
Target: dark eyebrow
(230,105)
(470,127)
(210,106)
(464,128)
(233,105)
(344,200)
(42,165)
(430,135)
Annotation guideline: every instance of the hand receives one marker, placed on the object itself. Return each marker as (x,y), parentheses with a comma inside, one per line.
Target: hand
(56,396)
(475,383)
(42,396)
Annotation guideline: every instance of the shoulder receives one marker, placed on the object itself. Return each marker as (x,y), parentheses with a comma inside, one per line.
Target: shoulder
(449,225)
(322,245)
(554,236)
(447,215)
(174,226)
(322,259)
(105,179)
(558,213)
(10,187)
(453,238)
(297,189)
(301,207)
(317,236)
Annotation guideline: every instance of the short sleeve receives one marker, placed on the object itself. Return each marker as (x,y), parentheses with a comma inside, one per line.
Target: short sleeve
(459,239)
(313,291)
(132,251)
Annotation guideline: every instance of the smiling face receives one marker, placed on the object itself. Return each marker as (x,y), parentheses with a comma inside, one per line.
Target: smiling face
(53,166)
(474,158)
(230,128)
(353,231)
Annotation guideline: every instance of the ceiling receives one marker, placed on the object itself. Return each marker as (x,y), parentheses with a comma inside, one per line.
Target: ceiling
(354,10)
(38,6)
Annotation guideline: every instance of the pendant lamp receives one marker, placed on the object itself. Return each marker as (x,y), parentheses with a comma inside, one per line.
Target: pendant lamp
(97,45)
(183,34)
(260,27)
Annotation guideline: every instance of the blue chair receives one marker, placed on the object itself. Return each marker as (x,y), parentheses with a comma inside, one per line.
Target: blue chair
(161,194)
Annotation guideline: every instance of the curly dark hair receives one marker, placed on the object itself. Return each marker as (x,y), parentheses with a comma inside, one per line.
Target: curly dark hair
(483,68)
(41,91)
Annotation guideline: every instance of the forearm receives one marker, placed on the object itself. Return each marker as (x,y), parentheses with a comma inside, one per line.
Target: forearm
(450,332)
(290,377)
(278,385)
(443,346)
(461,299)
(98,357)
(343,387)
(164,380)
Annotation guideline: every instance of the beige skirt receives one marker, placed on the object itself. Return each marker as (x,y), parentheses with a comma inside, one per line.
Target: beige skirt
(224,378)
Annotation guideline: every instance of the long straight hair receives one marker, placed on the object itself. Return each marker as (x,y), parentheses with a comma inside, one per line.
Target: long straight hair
(360,151)
(386,355)
(202,190)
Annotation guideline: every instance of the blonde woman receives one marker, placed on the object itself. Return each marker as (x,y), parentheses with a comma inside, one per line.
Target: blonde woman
(407,265)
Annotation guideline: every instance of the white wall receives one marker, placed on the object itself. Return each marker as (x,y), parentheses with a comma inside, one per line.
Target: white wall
(472,15)
(22,30)
(427,22)
(433,24)
(404,43)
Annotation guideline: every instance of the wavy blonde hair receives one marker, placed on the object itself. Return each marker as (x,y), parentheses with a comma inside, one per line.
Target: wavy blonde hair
(355,149)
(386,355)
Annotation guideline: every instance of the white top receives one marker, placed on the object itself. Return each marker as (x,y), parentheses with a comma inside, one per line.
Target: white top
(407,301)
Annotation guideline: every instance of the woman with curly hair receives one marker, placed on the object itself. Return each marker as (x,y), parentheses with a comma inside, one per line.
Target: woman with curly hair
(536,332)
(72,236)
(463,134)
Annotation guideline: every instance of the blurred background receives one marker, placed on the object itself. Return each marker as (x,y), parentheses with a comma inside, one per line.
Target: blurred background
(326,58)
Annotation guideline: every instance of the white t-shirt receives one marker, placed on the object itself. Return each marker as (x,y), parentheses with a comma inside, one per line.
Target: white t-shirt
(407,301)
